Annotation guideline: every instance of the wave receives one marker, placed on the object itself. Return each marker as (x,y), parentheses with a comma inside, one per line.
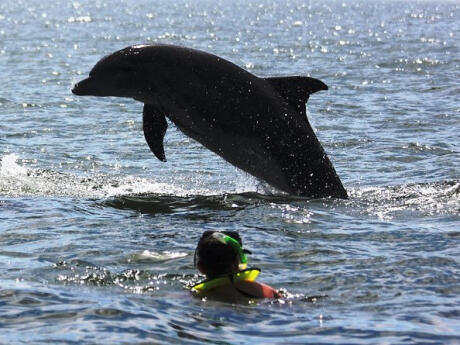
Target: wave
(16,181)
(432,198)
(133,280)
(388,202)
(152,197)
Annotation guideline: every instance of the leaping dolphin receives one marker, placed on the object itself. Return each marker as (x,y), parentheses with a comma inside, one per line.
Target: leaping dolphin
(257,124)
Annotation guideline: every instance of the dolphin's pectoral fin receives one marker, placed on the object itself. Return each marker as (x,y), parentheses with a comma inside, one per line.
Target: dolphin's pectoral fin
(155,126)
(296,90)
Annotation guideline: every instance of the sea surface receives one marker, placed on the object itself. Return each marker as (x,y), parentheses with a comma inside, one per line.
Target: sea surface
(97,236)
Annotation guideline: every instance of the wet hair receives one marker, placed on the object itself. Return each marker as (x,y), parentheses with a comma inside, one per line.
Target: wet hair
(216,258)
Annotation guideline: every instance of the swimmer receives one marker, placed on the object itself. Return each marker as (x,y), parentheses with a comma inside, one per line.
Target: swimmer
(221,258)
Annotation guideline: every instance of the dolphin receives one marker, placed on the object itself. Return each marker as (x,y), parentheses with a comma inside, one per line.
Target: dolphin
(257,124)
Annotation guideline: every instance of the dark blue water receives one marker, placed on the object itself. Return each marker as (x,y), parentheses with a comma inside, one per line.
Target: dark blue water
(97,236)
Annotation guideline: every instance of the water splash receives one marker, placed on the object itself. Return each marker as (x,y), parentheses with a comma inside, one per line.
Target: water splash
(148,256)
(10,168)
(150,196)
(16,180)
(425,198)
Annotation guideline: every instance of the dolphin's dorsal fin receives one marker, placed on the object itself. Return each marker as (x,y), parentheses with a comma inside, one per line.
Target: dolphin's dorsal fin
(296,90)
(155,125)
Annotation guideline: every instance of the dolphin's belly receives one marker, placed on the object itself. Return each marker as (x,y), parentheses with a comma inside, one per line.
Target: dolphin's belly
(248,153)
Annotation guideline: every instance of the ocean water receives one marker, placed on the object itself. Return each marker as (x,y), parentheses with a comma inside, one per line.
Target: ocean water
(97,236)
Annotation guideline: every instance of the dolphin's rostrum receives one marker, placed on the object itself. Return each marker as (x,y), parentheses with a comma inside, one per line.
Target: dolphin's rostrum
(257,124)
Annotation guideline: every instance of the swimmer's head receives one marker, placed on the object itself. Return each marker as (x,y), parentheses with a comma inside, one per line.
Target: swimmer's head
(220,253)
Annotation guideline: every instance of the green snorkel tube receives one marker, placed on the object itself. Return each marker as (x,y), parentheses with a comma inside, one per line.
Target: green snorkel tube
(225,239)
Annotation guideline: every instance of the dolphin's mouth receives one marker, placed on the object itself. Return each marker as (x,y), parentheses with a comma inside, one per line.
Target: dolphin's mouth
(83,88)
(92,86)
(97,86)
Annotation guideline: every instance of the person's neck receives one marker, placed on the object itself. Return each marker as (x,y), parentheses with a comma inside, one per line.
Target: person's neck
(215,276)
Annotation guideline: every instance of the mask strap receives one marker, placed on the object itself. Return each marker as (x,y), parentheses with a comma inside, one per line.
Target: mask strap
(225,239)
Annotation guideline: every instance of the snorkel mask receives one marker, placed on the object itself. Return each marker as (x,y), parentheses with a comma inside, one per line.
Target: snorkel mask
(228,240)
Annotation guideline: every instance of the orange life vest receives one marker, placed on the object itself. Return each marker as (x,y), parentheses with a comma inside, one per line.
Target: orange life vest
(239,281)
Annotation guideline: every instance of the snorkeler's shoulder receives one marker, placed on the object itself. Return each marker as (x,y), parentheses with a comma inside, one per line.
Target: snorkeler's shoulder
(256,289)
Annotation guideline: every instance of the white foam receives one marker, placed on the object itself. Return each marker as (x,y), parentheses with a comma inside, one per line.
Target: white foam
(427,198)
(17,180)
(10,168)
(157,256)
